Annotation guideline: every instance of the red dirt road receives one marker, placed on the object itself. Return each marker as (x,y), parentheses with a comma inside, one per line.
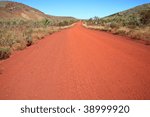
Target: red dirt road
(78,63)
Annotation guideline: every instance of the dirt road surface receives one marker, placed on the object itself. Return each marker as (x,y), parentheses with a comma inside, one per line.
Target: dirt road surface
(78,63)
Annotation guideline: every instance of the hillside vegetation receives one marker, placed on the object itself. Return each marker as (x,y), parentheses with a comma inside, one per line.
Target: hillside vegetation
(21,26)
(134,23)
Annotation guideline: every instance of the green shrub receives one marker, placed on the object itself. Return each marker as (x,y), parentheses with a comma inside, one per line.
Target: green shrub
(46,22)
(64,23)
(28,37)
(4,52)
(114,25)
(145,17)
(29,40)
(132,22)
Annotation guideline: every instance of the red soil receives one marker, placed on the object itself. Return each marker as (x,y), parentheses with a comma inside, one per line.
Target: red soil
(78,63)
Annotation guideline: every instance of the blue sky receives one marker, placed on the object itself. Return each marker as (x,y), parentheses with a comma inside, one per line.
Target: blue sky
(82,8)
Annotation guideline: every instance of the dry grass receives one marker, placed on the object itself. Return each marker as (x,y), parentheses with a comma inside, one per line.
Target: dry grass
(4,52)
(138,33)
(18,34)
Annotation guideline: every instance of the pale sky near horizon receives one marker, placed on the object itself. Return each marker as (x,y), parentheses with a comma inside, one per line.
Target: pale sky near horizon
(82,8)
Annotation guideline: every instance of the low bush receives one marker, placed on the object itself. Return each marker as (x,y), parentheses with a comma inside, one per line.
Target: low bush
(114,25)
(29,40)
(4,52)
(64,23)
(145,16)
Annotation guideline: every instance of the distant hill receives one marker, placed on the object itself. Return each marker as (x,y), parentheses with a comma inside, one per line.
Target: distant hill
(22,26)
(14,10)
(135,14)
(134,11)
(134,23)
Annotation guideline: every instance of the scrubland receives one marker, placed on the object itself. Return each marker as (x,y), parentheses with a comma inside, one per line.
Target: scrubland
(19,34)
(133,23)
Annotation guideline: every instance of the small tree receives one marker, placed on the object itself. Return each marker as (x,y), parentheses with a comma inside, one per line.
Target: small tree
(46,22)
